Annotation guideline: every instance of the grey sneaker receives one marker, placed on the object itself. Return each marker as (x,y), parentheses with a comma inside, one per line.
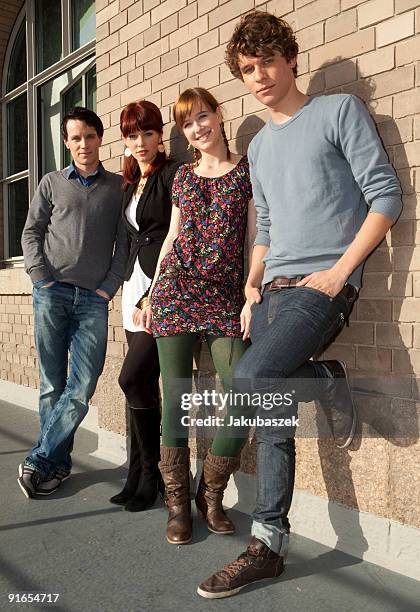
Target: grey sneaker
(28,480)
(50,486)
(337,403)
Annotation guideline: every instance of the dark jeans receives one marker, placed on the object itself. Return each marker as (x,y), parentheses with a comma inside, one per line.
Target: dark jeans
(288,327)
(71,329)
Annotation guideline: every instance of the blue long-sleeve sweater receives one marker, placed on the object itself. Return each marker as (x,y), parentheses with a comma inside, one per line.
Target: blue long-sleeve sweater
(314,179)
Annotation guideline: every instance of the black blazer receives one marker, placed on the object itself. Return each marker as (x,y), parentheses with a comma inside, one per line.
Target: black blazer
(153,216)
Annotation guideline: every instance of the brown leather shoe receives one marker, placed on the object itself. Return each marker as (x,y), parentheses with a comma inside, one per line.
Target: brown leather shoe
(213,482)
(258,562)
(174,466)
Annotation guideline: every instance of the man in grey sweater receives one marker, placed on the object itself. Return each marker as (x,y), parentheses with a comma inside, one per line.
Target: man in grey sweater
(325,196)
(75,249)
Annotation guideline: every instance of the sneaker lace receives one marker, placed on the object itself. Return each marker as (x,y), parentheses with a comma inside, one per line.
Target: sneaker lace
(231,569)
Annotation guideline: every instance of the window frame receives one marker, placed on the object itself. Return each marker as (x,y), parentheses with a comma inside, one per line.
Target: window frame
(30,87)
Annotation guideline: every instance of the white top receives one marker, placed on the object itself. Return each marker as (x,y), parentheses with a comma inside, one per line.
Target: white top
(134,288)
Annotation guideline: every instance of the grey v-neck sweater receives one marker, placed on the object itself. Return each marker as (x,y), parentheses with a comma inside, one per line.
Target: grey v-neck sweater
(314,179)
(71,230)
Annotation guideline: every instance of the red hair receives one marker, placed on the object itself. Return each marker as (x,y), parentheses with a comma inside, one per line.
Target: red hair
(141,115)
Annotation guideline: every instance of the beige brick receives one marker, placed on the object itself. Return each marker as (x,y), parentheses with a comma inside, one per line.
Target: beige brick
(118,53)
(103,92)
(418,21)
(128,64)
(379,261)
(135,44)
(135,11)
(417,336)
(417,285)
(168,25)
(151,35)
(212,58)
(407,103)
(229,11)
(394,335)
(406,362)
(344,48)
(119,85)
(316,11)
(169,60)
(341,25)
(230,90)
(379,284)
(406,258)
(376,61)
(102,62)
(417,128)
(396,131)
(408,51)
(148,5)
(374,310)
(170,94)
(134,28)
(280,7)
(187,14)
(406,178)
(103,46)
(374,359)
(310,37)
(192,30)
(205,6)
(405,5)
(374,12)
(209,78)
(407,310)
(108,74)
(107,13)
(189,50)
(118,22)
(136,75)
(208,41)
(344,352)
(338,74)
(126,3)
(403,233)
(357,333)
(152,51)
(300,3)
(407,155)
(165,79)
(395,29)
(138,92)
(102,31)
(167,8)
(394,81)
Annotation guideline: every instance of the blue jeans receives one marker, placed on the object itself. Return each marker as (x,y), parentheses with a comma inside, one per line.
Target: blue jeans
(71,329)
(287,328)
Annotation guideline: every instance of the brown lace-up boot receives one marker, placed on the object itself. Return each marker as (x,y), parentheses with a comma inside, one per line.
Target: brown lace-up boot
(213,482)
(174,466)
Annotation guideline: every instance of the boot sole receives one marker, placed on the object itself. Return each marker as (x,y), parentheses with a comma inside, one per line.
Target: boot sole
(178,542)
(350,437)
(200,513)
(231,592)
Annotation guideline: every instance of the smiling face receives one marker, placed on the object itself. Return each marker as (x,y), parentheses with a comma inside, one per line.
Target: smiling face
(202,127)
(269,78)
(83,143)
(143,145)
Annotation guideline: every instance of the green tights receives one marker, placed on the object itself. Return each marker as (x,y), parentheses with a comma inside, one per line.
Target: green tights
(176,366)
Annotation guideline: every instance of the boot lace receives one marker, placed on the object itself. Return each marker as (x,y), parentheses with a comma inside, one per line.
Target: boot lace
(231,569)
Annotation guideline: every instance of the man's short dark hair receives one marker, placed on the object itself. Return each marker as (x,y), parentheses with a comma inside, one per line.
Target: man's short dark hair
(260,34)
(82,114)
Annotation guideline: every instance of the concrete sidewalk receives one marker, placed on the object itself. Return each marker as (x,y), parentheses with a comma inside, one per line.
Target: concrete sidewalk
(100,558)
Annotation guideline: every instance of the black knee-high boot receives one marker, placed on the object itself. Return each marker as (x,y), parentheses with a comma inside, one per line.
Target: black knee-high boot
(134,465)
(147,424)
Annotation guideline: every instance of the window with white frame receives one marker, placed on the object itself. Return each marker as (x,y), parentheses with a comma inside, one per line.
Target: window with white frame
(49,68)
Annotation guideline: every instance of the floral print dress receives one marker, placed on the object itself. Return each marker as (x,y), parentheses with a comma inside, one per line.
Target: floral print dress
(199,289)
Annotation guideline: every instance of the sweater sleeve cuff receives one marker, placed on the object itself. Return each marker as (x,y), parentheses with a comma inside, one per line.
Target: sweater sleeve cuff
(262,238)
(390,206)
(40,273)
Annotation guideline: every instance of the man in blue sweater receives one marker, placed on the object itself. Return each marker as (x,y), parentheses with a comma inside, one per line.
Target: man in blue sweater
(325,196)
(75,250)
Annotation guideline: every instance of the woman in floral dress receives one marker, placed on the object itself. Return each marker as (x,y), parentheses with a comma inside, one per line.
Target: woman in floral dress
(197,291)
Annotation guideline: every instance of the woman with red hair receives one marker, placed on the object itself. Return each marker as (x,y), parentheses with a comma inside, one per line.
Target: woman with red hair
(148,176)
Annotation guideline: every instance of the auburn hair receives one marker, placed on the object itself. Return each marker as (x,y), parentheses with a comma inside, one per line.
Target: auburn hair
(141,115)
(183,107)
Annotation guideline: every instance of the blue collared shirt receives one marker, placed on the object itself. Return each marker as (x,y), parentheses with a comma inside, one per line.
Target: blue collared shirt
(71,172)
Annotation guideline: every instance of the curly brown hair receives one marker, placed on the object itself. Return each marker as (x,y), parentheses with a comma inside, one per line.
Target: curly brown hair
(260,34)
